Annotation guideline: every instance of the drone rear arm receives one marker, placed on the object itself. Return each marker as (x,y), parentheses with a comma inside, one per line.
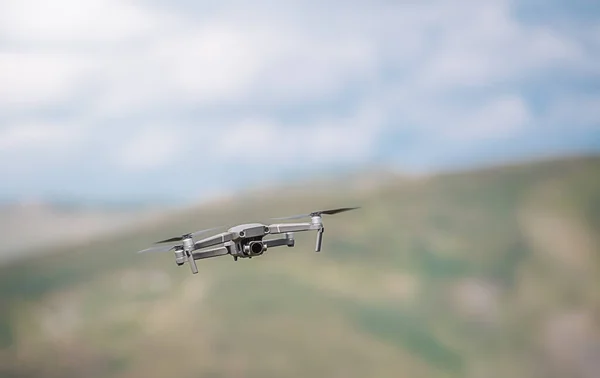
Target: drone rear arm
(288,240)
(214,252)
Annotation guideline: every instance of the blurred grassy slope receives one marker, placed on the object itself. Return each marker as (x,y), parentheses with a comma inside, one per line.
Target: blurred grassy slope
(487,273)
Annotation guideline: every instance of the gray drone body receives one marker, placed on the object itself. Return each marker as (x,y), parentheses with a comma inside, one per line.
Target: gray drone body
(243,241)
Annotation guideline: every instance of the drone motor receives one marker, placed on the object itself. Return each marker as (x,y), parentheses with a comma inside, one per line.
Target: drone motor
(179,255)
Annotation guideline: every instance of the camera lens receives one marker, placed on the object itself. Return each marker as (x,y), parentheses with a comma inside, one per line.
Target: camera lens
(256,248)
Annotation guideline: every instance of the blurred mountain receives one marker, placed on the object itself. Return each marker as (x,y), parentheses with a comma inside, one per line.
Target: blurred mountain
(487,273)
(29,227)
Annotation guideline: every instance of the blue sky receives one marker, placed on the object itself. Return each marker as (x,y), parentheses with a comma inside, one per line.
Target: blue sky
(176,100)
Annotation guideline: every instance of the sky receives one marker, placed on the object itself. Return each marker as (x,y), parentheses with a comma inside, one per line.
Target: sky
(119,100)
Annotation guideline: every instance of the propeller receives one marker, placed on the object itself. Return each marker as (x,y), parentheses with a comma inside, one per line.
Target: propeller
(319,213)
(194,234)
(158,249)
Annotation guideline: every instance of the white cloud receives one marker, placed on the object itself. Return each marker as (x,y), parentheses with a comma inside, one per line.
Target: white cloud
(484,44)
(54,51)
(190,65)
(307,67)
(37,137)
(35,147)
(64,21)
(246,55)
(458,121)
(152,149)
(231,61)
(501,117)
(211,63)
(33,79)
(326,140)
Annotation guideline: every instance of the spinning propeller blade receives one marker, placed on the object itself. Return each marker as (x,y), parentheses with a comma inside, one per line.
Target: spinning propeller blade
(172,240)
(158,249)
(318,213)
(180,238)
(334,211)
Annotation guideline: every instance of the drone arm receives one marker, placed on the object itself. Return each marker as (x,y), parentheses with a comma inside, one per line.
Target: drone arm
(292,227)
(213,240)
(289,241)
(214,252)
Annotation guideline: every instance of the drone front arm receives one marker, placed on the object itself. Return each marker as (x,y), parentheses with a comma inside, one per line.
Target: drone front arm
(292,227)
(214,252)
(214,240)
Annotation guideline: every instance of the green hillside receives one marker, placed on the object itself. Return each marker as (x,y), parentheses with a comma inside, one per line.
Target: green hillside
(490,273)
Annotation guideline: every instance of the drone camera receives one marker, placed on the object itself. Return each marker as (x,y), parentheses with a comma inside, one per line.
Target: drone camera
(254,248)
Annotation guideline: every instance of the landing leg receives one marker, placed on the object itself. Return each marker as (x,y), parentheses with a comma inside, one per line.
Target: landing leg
(319,239)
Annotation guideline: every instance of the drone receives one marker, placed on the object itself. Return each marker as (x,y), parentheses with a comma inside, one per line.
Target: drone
(242,241)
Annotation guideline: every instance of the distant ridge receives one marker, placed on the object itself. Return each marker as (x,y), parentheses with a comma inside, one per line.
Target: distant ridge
(71,221)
